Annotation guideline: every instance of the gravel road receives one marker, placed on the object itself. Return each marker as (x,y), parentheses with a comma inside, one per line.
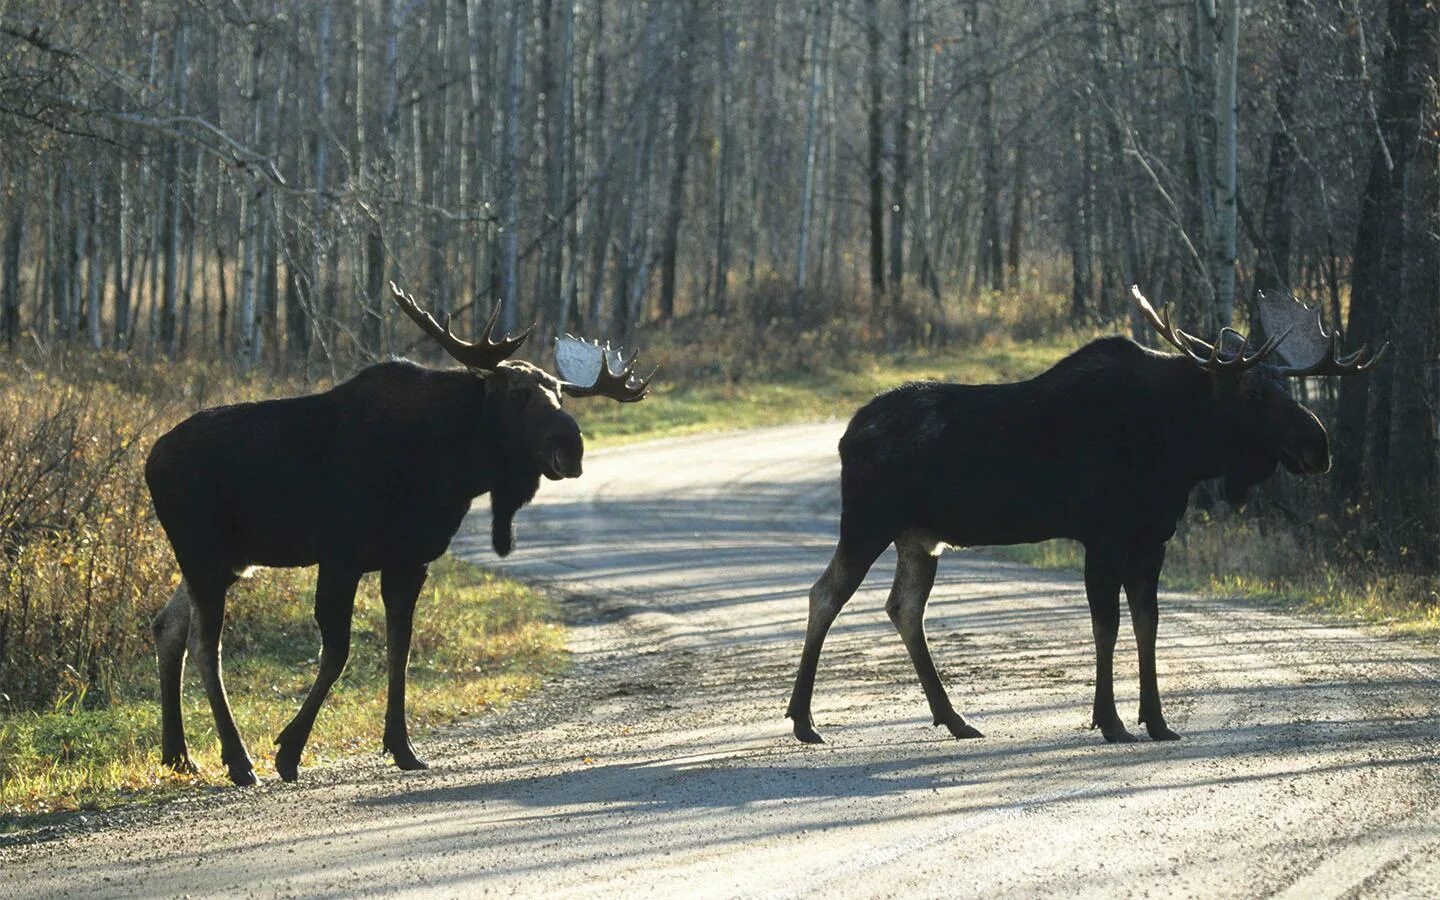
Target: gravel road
(661,764)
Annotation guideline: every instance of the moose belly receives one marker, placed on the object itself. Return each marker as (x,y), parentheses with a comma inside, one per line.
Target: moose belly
(408,534)
(996,514)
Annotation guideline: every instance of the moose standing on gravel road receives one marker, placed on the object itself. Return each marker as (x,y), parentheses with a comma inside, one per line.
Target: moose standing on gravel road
(374,474)
(1104,449)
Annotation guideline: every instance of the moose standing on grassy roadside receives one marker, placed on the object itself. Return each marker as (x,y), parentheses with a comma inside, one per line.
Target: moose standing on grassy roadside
(375,474)
(1104,448)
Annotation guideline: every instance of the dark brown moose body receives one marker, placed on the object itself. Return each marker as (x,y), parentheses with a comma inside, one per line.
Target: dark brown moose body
(1104,448)
(375,474)
(352,475)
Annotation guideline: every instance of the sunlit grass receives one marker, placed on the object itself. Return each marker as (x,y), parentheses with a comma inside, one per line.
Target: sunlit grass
(1227,556)
(479,642)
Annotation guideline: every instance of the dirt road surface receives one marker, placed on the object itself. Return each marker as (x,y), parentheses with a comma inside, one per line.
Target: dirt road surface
(660,764)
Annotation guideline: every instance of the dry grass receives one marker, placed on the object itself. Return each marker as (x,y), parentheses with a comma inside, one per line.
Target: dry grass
(479,643)
(1252,557)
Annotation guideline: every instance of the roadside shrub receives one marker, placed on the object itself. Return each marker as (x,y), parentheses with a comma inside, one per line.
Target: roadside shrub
(80,554)
(83,562)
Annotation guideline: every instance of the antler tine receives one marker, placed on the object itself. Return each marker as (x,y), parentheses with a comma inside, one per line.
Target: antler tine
(1269,346)
(1205,355)
(484,355)
(1240,362)
(1315,351)
(624,386)
(1334,364)
(1208,356)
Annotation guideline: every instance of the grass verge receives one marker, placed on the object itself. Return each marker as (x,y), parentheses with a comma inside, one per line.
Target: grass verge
(479,642)
(1226,555)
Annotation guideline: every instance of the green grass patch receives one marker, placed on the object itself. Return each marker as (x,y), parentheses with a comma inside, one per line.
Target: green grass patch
(479,642)
(1228,555)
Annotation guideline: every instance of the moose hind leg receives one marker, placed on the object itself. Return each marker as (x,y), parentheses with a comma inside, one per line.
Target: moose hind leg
(829,595)
(914,577)
(208,612)
(172,632)
(399,587)
(334,606)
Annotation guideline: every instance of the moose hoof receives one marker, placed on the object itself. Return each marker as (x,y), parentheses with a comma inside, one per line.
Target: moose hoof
(406,760)
(1162,733)
(1116,734)
(179,763)
(287,763)
(243,774)
(806,733)
(961,729)
(409,762)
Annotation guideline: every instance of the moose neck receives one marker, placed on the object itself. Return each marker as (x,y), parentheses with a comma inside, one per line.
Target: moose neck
(1210,448)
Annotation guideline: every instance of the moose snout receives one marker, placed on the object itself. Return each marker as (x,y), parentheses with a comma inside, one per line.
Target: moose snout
(566,466)
(563,459)
(1308,452)
(1307,457)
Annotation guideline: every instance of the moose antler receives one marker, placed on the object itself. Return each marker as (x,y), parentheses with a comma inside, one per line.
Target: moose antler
(1207,356)
(484,355)
(1308,349)
(589,370)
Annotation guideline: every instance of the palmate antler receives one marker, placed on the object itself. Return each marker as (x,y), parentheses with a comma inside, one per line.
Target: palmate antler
(588,369)
(1207,356)
(1297,337)
(483,355)
(1308,349)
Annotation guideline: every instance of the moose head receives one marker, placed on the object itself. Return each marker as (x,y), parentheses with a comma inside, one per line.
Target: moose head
(526,398)
(1261,425)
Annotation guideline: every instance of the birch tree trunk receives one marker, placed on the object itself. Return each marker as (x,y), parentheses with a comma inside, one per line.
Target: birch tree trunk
(899,206)
(174,165)
(875,178)
(510,165)
(1272,269)
(680,155)
(820,24)
(720,282)
(14,242)
(248,342)
(95,263)
(1224,179)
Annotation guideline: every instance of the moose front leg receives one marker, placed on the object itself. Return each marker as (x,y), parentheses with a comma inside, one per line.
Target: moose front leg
(829,595)
(1102,589)
(208,615)
(334,607)
(400,587)
(1142,583)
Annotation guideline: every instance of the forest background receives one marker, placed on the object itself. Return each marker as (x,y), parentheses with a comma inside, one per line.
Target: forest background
(203,200)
